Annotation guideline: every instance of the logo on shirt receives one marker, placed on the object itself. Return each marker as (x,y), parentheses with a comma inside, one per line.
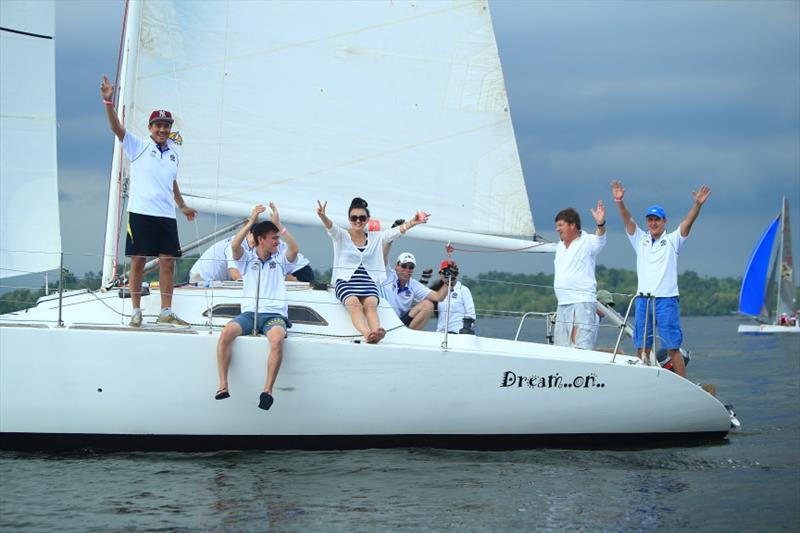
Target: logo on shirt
(273,264)
(663,243)
(153,153)
(172,157)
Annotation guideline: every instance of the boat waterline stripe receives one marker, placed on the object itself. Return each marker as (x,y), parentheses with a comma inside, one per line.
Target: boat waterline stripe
(20,32)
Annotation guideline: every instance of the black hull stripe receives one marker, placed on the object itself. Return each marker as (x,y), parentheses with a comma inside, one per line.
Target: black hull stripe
(19,32)
(204,443)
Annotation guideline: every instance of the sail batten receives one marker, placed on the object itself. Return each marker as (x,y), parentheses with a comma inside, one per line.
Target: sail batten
(400,103)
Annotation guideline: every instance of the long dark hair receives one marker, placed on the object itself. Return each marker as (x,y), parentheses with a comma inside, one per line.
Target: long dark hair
(358,203)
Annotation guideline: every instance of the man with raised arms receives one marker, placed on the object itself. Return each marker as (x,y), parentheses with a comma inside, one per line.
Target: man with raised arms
(263,269)
(657,270)
(152,228)
(574,281)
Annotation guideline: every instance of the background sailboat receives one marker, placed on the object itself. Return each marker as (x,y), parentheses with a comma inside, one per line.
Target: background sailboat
(769,293)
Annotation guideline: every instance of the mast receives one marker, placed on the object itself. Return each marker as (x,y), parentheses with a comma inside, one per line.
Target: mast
(114,214)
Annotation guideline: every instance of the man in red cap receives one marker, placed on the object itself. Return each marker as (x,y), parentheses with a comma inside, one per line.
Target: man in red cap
(152,228)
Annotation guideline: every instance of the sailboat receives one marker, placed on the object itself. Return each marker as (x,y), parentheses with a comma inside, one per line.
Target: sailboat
(768,294)
(293,102)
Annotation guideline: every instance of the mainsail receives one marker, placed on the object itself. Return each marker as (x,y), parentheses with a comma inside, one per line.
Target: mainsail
(402,103)
(786,290)
(30,235)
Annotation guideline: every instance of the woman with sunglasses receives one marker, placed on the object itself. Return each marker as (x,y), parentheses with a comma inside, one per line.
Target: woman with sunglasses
(358,264)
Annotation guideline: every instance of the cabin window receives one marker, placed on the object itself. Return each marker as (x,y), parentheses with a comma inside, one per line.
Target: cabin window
(298,314)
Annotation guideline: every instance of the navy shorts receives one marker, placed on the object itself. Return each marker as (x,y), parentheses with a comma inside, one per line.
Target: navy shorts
(266,321)
(152,236)
(405,319)
(668,323)
(305,274)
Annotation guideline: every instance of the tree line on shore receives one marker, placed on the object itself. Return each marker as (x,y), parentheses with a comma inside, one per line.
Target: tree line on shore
(495,293)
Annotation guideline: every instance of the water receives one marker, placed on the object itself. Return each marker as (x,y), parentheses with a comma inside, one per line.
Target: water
(751,482)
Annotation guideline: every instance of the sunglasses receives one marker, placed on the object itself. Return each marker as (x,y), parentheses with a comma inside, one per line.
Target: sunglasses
(358,218)
(407,266)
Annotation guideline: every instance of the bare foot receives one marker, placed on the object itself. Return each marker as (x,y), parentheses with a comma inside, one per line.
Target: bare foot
(380,334)
(372,337)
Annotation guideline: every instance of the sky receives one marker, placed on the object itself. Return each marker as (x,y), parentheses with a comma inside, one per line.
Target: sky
(664,96)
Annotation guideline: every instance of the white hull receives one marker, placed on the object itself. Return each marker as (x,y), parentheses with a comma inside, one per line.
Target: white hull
(97,383)
(757,329)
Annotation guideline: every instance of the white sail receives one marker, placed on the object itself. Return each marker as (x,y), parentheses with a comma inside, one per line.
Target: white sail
(30,239)
(401,103)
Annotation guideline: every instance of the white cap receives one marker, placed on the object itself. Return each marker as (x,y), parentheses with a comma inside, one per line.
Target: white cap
(406,257)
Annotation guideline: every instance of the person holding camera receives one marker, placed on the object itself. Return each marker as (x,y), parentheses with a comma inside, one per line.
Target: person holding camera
(460,316)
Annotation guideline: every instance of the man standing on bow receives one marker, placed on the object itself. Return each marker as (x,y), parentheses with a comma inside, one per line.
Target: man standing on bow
(574,281)
(657,270)
(152,228)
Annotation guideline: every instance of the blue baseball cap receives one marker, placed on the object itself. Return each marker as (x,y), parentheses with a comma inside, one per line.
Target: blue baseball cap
(655,211)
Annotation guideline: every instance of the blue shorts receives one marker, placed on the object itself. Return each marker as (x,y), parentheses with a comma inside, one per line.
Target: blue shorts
(266,321)
(668,323)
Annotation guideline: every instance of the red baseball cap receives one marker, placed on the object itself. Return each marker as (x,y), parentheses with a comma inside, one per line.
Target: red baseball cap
(447,263)
(161,115)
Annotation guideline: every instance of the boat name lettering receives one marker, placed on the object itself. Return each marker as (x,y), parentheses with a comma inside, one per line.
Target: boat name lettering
(550,381)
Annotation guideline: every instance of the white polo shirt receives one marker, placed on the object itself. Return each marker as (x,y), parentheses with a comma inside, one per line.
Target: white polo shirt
(272,293)
(574,280)
(213,264)
(299,262)
(461,306)
(657,262)
(402,299)
(152,175)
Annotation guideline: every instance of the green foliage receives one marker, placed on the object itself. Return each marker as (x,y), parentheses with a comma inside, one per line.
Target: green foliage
(501,292)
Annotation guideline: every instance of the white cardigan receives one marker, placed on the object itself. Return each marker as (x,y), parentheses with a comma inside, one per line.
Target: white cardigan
(346,257)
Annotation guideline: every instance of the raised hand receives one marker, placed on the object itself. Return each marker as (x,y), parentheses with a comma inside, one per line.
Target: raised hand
(257,210)
(702,195)
(106,89)
(321,209)
(599,213)
(617,190)
(274,216)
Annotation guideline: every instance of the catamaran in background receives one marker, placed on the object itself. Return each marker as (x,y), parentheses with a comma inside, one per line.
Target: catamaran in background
(292,102)
(768,294)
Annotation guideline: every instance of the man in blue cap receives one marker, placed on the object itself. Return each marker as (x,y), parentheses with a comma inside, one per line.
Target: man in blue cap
(657,271)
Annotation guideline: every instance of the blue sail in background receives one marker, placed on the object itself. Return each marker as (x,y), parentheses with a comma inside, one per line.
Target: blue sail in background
(751,298)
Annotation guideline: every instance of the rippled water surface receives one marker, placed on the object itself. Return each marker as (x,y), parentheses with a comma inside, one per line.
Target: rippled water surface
(752,482)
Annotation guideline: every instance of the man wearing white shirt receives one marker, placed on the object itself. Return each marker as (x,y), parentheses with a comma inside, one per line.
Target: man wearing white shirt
(152,228)
(459,317)
(657,270)
(213,264)
(574,282)
(410,299)
(264,269)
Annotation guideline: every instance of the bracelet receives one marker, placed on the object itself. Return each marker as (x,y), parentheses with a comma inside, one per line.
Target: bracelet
(108,102)
(602,225)
(283,230)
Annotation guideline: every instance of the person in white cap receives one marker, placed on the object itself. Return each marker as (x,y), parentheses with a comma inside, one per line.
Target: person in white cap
(410,299)
(574,281)
(152,228)
(657,270)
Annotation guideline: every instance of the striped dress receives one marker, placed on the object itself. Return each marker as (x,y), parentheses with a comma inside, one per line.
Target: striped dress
(359,284)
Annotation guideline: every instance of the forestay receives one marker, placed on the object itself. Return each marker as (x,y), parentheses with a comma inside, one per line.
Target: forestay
(401,103)
(30,233)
